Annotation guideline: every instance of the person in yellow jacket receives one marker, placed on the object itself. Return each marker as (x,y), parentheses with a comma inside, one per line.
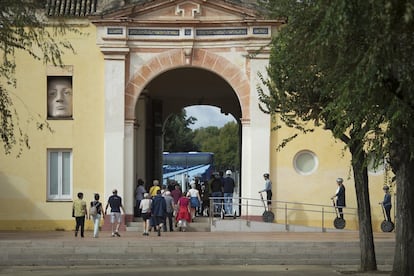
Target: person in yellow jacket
(79,211)
(154,188)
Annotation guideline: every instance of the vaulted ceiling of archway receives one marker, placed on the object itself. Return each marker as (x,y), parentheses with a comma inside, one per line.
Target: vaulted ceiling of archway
(182,87)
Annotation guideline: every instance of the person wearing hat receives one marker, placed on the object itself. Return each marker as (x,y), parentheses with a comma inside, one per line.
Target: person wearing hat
(387,202)
(228,190)
(115,201)
(340,196)
(267,189)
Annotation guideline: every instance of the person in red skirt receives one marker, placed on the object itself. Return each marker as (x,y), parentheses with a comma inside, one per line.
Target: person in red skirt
(183,214)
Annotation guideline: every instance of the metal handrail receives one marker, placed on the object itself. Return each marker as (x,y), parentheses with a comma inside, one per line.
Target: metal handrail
(239,201)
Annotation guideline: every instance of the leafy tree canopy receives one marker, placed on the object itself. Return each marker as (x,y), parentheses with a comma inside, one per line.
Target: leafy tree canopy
(224,142)
(347,65)
(178,137)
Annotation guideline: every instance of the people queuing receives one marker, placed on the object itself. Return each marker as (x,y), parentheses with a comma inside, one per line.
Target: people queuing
(139,195)
(183,214)
(158,211)
(169,201)
(195,200)
(228,190)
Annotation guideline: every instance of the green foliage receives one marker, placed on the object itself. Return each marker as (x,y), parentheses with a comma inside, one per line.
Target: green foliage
(23,28)
(223,142)
(178,137)
(345,65)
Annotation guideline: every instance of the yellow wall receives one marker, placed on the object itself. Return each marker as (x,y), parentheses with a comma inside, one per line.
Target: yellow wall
(23,189)
(318,187)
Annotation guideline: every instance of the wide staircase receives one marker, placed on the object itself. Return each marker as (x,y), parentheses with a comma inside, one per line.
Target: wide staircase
(207,241)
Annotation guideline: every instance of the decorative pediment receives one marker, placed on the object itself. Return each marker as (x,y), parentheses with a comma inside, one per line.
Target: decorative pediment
(181,10)
(187,9)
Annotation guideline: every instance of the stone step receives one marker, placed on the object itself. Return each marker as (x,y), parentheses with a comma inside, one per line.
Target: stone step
(187,249)
(200,224)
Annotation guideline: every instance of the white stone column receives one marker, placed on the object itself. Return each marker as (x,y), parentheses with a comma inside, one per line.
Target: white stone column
(114,120)
(129,177)
(255,143)
(140,140)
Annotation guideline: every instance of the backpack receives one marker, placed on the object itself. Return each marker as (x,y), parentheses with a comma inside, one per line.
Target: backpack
(93,211)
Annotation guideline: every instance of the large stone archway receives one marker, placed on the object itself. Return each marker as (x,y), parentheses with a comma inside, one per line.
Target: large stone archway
(176,58)
(141,41)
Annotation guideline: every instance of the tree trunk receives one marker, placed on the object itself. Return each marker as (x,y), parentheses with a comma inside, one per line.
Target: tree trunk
(404,246)
(366,237)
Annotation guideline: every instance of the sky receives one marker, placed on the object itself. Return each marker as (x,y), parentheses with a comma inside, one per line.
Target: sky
(208,116)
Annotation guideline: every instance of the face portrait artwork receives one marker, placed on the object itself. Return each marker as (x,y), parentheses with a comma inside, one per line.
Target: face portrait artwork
(59,97)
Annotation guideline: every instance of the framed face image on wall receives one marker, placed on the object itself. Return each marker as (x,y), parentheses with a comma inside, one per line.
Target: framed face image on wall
(59,97)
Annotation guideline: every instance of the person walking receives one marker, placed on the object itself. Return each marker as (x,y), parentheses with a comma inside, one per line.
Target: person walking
(183,214)
(139,195)
(79,211)
(99,214)
(267,189)
(115,201)
(169,201)
(228,190)
(387,202)
(195,199)
(340,196)
(204,194)
(145,207)
(154,188)
(176,193)
(158,211)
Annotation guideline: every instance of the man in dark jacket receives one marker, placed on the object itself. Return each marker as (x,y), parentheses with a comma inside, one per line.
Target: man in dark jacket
(216,189)
(340,196)
(158,210)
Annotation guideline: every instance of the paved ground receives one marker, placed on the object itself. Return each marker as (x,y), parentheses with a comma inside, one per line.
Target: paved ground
(228,270)
(189,253)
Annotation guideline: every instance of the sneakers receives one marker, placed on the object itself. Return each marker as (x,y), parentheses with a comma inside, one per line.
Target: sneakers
(116,234)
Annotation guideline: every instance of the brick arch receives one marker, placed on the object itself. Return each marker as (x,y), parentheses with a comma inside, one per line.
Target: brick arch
(176,58)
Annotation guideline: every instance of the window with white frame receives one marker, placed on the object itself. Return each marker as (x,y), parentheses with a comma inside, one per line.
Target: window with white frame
(305,162)
(59,175)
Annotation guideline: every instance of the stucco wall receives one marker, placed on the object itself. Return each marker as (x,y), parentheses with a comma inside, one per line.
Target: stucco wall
(23,189)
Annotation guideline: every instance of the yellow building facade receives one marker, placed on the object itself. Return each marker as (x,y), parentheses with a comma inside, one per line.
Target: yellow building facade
(136,64)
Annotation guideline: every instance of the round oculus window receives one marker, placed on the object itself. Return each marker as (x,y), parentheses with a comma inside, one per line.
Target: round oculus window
(305,162)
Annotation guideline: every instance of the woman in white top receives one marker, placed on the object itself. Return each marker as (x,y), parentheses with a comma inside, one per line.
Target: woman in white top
(195,199)
(145,207)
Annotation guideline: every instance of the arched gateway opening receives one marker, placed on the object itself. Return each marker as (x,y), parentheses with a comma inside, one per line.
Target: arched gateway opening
(175,87)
